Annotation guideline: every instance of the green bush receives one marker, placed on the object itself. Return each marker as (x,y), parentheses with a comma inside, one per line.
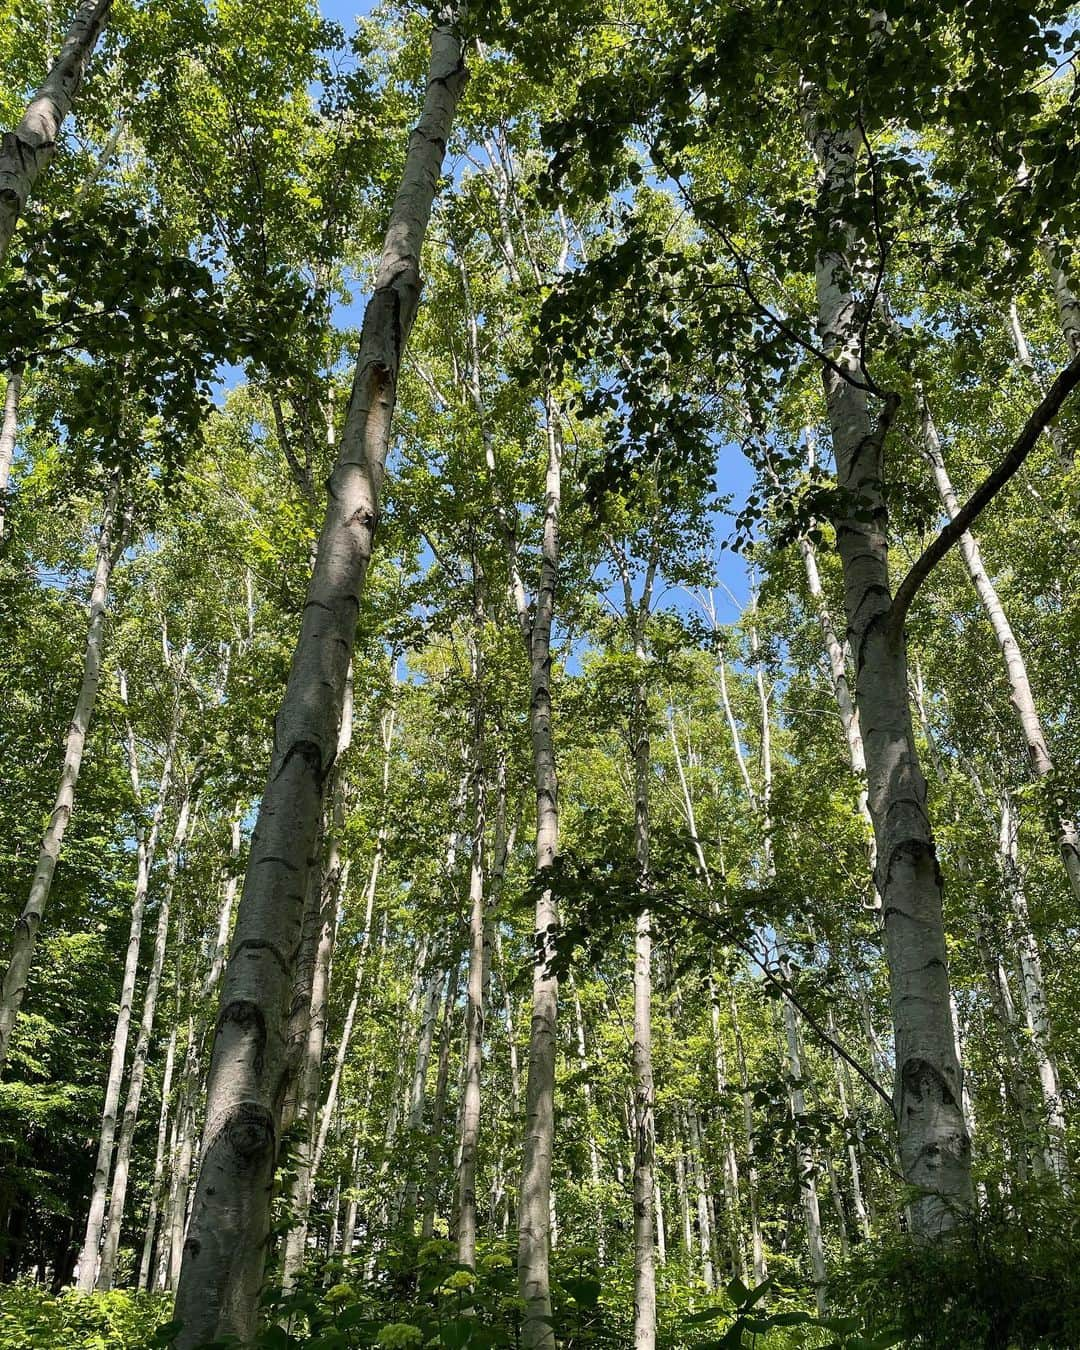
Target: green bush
(33,1319)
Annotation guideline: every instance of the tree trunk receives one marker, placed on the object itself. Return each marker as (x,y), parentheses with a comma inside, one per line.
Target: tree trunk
(332,885)
(26,151)
(9,428)
(644,1092)
(146,1262)
(118,1196)
(534,1287)
(28,923)
(1068,306)
(479,961)
(701,1192)
(442,1080)
(934,1145)
(1020,692)
(224,1254)
(1034,994)
(146,849)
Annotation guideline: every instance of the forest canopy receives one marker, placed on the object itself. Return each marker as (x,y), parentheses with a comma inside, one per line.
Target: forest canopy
(540,739)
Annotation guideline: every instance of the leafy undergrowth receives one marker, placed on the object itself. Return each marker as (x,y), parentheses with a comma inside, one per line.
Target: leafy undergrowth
(33,1319)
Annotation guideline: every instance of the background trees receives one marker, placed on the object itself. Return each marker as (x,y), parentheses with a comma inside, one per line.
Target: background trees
(631,921)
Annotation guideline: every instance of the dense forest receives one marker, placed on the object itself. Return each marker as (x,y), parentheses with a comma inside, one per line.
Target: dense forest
(540,737)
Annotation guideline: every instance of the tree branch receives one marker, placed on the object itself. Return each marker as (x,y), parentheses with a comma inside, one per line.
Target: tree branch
(987,490)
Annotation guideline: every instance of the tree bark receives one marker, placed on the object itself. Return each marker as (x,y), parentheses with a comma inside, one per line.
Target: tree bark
(442,1080)
(934,1145)
(24,936)
(534,1286)
(146,849)
(224,1253)
(9,428)
(26,151)
(479,962)
(146,1262)
(118,1194)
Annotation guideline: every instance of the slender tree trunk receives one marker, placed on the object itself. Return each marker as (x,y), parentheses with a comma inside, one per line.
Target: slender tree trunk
(534,1287)
(590,1121)
(1034,993)
(935,1148)
(26,151)
(644,1092)
(9,428)
(1020,692)
(803,1155)
(29,921)
(442,1080)
(479,960)
(145,1264)
(1068,306)
(351,1205)
(701,1191)
(118,1195)
(146,849)
(224,1254)
(731,1163)
(684,1200)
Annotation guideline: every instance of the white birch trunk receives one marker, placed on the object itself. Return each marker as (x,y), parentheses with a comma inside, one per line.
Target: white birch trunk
(146,849)
(25,933)
(224,1254)
(442,1080)
(534,1195)
(118,1194)
(332,885)
(479,960)
(159,1165)
(1034,994)
(705,1244)
(1068,306)
(9,428)
(26,151)
(934,1145)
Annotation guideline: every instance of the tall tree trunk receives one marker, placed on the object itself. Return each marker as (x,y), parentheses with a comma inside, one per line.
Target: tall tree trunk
(29,921)
(1068,306)
(118,1195)
(146,1262)
(590,1120)
(442,1080)
(327,1113)
(534,1196)
(1034,993)
(9,428)
(701,1191)
(934,1145)
(644,1092)
(26,151)
(1020,692)
(332,883)
(479,961)
(146,849)
(224,1253)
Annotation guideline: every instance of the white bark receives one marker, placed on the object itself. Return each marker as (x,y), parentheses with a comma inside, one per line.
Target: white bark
(479,960)
(159,1164)
(1068,306)
(701,1192)
(1034,994)
(24,936)
(118,1194)
(442,1079)
(224,1254)
(9,429)
(934,1145)
(26,151)
(332,887)
(534,1195)
(146,848)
